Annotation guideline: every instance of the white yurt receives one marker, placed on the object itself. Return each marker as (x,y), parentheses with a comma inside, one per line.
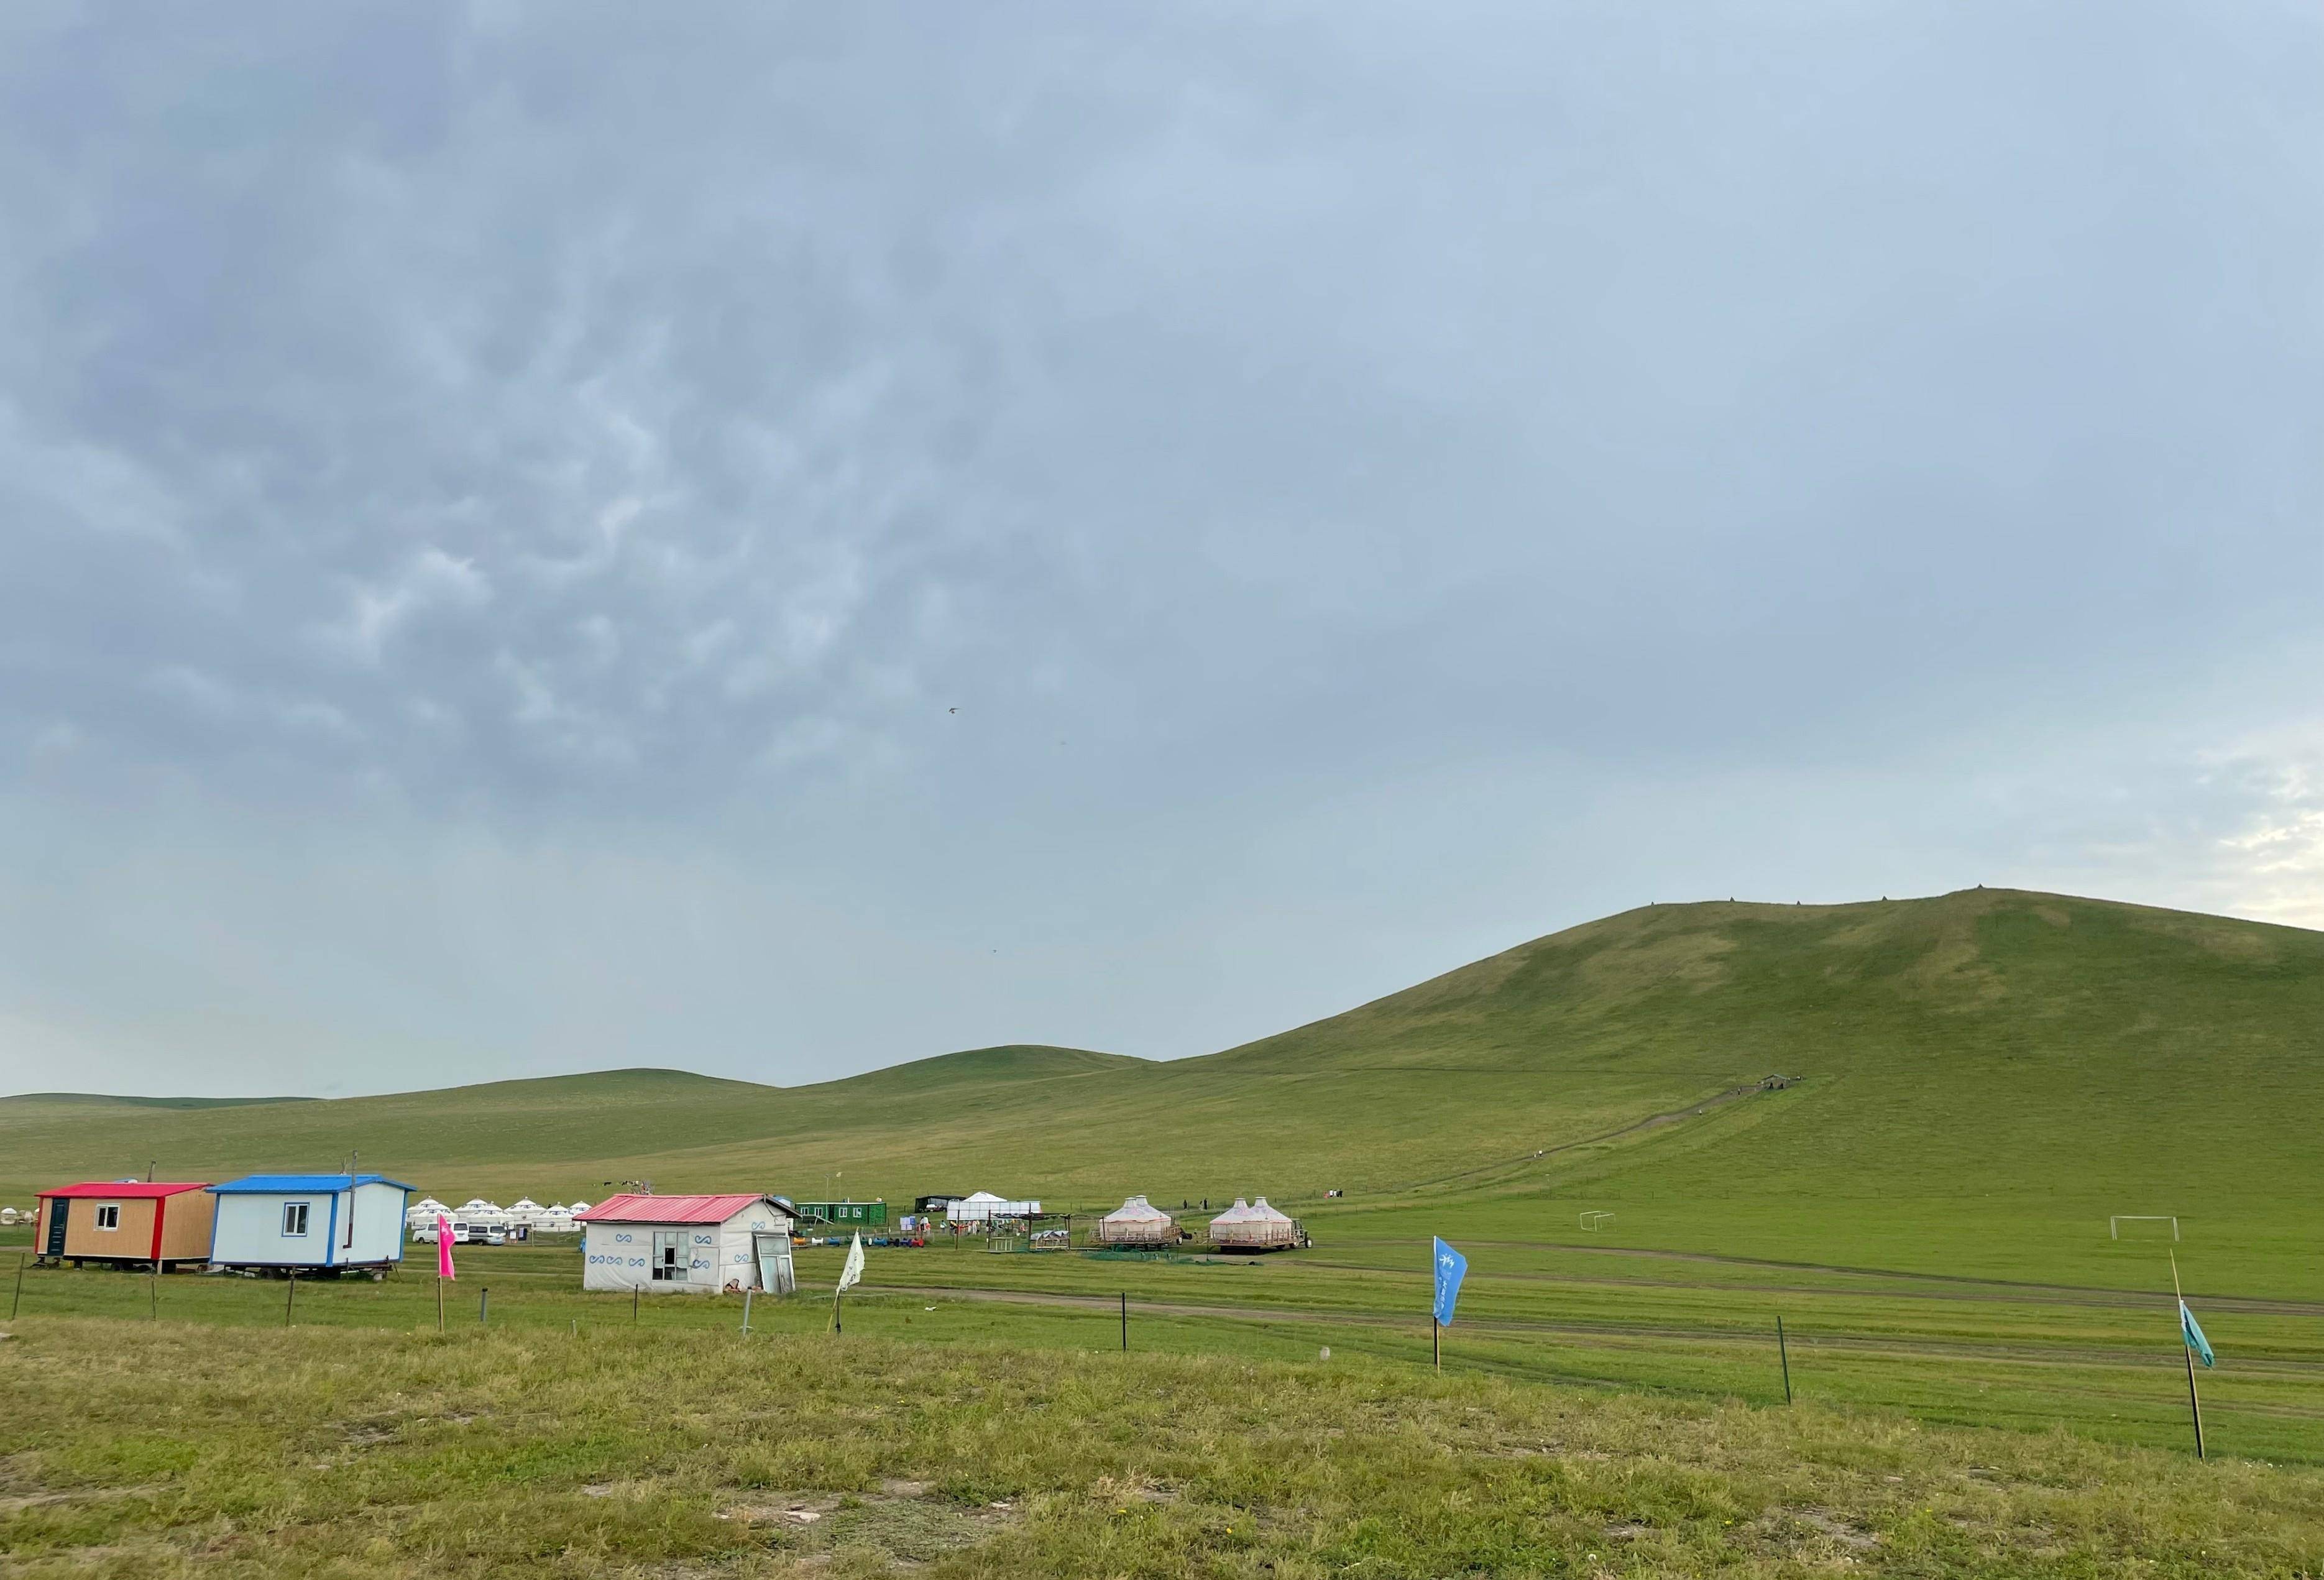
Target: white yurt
(1137,1222)
(577,1208)
(1253,1227)
(423,1212)
(526,1212)
(8,1214)
(477,1210)
(556,1220)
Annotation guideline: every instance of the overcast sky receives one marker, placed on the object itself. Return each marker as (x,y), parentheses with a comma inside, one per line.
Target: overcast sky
(778,540)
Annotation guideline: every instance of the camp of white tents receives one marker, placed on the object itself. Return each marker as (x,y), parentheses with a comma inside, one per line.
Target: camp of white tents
(1246,1225)
(419,1219)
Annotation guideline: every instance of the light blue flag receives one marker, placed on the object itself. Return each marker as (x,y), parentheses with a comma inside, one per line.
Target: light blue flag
(2192,1332)
(1451,1266)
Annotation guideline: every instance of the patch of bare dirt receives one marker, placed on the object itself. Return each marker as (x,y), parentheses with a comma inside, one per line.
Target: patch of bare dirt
(1845,1532)
(904,1528)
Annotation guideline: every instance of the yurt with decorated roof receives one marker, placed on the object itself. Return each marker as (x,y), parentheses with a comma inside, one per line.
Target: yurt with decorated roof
(1137,1223)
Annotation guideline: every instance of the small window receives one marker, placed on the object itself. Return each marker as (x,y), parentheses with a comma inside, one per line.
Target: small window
(294,1218)
(108,1215)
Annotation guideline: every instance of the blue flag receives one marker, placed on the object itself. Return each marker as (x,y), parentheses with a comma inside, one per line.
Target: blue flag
(2192,1333)
(1451,1266)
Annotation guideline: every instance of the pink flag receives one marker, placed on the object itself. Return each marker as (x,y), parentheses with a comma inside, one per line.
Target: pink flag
(443,1246)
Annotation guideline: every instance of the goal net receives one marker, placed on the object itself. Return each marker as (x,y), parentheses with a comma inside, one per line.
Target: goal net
(2143,1226)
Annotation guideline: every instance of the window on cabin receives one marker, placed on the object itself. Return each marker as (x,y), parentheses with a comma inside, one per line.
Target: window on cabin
(670,1256)
(294,1219)
(108,1215)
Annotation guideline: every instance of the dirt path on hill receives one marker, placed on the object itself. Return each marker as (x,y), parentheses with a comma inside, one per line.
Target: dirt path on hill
(1651,1122)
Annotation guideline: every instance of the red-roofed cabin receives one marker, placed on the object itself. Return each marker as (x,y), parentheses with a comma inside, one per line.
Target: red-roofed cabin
(138,1221)
(687,1244)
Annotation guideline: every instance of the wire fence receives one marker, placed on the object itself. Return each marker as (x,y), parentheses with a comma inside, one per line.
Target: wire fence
(2099,1380)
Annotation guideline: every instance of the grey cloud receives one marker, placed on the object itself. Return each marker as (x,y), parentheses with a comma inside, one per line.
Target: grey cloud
(497,429)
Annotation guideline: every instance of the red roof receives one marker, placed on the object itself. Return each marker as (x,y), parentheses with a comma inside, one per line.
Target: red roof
(667,1210)
(124,1189)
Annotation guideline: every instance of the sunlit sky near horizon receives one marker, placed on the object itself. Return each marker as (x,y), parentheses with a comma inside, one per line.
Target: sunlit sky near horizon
(780,539)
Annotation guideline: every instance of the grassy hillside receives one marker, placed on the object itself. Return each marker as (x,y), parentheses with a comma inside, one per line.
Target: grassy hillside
(1983,1078)
(106,1100)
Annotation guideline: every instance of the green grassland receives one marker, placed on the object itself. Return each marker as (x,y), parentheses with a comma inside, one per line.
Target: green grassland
(361,1443)
(1981,1080)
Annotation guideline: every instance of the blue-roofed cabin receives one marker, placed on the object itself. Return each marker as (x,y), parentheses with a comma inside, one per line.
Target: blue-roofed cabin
(309,1221)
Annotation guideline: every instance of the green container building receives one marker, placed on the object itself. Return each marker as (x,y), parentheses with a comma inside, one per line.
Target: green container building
(847,1215)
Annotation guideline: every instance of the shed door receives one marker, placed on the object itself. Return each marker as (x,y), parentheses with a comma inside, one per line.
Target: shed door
(57,1206)
(774,1257)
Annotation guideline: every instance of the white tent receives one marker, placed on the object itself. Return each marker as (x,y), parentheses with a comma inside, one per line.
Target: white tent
(1253,1227)
(527,1212)
(424,1211)
(555,1220)
(1137,1222)
(984,1206)
(577,1208)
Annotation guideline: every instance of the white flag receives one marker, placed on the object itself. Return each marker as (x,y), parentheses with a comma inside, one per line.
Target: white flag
(853,1273)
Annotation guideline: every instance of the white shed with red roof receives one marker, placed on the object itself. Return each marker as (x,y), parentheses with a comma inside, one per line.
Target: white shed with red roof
(686,1245)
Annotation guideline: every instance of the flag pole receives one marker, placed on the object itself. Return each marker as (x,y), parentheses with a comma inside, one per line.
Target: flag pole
(1436,1348)
(2194,1400)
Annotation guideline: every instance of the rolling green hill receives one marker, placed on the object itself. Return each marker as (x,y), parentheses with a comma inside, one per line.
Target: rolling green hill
(1981,1078)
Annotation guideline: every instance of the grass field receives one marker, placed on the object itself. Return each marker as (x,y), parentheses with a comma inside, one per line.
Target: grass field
(676,1448)
(1982,1079)
(2102,1364)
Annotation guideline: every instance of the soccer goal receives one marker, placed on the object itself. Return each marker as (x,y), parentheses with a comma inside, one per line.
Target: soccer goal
(2115,1224)
(1596,1220)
